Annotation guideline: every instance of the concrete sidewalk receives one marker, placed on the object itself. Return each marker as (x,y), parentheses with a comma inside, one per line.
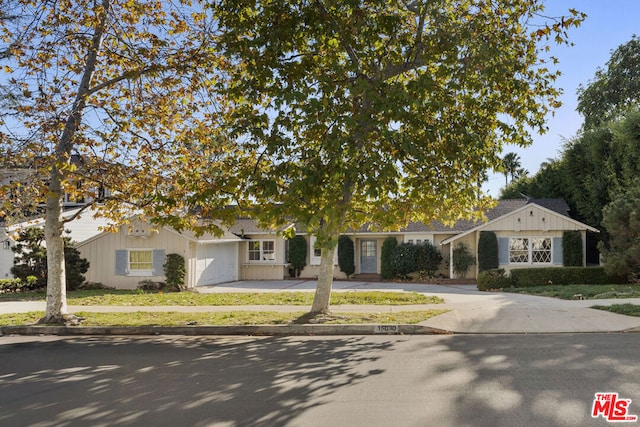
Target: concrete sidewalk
(471,311)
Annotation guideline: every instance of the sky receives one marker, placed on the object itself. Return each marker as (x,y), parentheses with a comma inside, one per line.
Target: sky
(609,24)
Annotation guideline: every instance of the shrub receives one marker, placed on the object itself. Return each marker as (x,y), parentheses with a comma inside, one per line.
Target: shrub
(526,277)
(297,254)
(150,285)
(493,279)
(346,255)
(404,259)
(94,286)
(462,259)
(31,260)
(17,285)
(571,249)
(428,259)
(487,251)
(388,246)
(174,272)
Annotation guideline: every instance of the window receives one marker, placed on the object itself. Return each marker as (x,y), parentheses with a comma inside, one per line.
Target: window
(6,245)
(518,250)
(530,250)
(368,248)
(541,250)
(140,261)
(262,250)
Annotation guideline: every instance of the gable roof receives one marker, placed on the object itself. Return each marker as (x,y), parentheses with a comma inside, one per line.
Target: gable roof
(558,204)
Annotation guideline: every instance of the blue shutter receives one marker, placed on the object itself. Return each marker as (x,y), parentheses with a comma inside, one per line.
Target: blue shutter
(503,250)
(121,262)
(158,262)
(557,251)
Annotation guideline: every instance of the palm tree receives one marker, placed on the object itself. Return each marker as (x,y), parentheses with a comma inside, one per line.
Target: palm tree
(510,166)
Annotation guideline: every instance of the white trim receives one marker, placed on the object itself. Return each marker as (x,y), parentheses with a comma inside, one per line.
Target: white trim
(530,251)
(261,252)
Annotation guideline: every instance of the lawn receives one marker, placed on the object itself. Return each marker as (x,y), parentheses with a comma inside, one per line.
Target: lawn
(587,291)
(228,318)
(140,298)
(626,309)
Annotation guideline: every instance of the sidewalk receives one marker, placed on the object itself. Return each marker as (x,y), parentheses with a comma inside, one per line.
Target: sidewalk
(471,311)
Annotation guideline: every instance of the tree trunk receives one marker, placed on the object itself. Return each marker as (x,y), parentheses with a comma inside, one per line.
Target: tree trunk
(325,282)
(56,277)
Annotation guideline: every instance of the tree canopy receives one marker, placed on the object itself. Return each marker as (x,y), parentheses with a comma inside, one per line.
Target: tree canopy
(384,111)
(614,89)
(126,87)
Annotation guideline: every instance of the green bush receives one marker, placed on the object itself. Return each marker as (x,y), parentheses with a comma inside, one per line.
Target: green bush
(404,259)
(388,246)
(572,249)
(297,254)
(346,255)
(487,251)
(462,259)
(493,279)
(428,259)
(31,260)
(17,285)
(174,272)
(150,285)
(526,277)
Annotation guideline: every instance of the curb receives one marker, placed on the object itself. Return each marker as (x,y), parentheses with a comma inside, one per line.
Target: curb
(267,330)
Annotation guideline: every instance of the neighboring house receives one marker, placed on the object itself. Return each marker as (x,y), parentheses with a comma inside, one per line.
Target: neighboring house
(80,229)
(529,235)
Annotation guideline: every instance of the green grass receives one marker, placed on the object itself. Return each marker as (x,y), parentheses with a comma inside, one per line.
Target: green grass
(626,309)
(139,298)
(228,318)
(587,291)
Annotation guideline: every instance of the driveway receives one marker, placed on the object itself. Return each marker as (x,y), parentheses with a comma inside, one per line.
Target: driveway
(473,311)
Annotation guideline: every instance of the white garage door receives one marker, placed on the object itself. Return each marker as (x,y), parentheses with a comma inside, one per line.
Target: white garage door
(217,263)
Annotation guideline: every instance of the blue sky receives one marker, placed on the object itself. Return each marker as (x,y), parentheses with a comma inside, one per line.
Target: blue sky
(609,24)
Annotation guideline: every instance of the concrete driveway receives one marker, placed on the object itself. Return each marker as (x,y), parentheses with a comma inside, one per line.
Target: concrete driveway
(473,311)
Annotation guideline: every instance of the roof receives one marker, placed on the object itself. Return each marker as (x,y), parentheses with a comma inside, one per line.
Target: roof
(504,207)
(554,206)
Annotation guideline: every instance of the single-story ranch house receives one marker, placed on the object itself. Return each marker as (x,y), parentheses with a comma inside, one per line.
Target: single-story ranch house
(529,233)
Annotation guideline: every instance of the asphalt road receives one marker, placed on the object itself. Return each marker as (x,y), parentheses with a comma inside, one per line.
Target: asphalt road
(460,380)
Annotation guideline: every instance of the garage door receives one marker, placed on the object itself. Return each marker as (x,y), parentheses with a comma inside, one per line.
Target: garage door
(217,263)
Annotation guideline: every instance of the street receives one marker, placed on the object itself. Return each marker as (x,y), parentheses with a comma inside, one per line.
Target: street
(453,380)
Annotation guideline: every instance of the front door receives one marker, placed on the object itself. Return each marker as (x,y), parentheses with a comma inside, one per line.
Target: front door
(368,256)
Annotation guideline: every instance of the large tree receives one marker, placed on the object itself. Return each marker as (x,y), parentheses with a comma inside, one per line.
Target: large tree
(115,97)
(510,166)
(382,112)
(613,90)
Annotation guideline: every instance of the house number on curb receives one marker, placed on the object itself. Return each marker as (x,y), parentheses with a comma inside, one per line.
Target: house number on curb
(385,329)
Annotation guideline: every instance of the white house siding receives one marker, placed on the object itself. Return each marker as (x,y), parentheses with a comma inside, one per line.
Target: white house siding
(264,270)
(6,255)
(100,252)
(470,240)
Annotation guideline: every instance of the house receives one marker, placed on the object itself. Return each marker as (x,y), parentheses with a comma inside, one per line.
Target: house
(83,227)
(529,233)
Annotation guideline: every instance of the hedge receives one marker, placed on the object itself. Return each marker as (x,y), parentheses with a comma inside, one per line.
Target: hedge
(560,276)
(493,279)
(527,277)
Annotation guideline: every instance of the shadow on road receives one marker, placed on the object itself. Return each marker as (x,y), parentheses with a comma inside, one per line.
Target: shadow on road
(175,381)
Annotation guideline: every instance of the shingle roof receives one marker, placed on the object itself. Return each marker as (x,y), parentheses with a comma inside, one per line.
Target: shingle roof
(503,207)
